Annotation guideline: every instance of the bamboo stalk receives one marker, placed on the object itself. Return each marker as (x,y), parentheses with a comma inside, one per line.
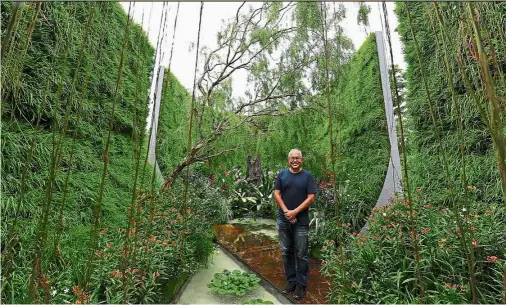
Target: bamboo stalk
(8,257)
(93,241)
(470,259)
(496,124)
(342,298)
(413,234)
(50,183)
(185,196)
(137,154)
(10,29)
(155,76)
(441,151)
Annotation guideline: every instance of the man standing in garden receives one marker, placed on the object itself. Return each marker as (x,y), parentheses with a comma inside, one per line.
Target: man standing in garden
(294,191)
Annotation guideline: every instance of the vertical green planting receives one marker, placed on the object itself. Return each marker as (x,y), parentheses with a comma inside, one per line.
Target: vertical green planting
(337,201)
(413,234)
(93,243)
(54,91)
(192,107)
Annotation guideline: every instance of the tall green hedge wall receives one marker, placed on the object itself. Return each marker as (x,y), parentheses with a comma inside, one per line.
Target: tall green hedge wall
(359,126)
(424,159)
(36,89)
(173,133)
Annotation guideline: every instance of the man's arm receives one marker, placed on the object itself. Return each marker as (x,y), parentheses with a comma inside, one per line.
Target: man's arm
(304,205)
(279,200)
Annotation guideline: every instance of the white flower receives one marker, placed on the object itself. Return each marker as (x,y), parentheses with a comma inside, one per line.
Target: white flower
(66,290)
(54,292)
(384,214)
(464,209)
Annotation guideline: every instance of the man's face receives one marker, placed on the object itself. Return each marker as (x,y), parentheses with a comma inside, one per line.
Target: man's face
(295,161)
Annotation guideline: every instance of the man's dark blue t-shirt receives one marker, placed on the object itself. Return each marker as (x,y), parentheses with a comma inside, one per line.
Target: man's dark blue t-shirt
(294,190)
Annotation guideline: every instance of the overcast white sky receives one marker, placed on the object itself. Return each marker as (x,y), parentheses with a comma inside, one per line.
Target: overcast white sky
(215,13)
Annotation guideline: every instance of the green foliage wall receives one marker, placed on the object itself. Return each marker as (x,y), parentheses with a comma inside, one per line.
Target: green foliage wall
(360,134)
(424,160)
(37,87)
(33,95)
(173,124)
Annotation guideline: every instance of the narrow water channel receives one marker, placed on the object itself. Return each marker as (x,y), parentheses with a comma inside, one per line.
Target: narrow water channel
(196,291)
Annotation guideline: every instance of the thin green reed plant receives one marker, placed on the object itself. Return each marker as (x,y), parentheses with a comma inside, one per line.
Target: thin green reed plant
(142,196)
(494,16)
(332,157)
(339,105)
(13,23)
(468,250)
(467,82)
(155,77)
(97,207)
(185,196)
(18,60)
(59,227)
(151,195)
(14,62)
(8,256)
(413,234)
(136,163)
(496,123)
(441,151)
(50,183)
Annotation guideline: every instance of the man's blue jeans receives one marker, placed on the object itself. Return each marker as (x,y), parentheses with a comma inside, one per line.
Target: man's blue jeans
(293,239)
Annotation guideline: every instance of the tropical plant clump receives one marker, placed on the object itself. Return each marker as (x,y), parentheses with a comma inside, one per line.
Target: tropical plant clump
(233,282)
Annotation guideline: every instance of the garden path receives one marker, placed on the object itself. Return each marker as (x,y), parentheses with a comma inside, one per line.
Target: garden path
(255,244)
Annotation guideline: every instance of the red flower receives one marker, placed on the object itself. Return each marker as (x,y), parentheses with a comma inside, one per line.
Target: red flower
(491,259)
(224,186)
